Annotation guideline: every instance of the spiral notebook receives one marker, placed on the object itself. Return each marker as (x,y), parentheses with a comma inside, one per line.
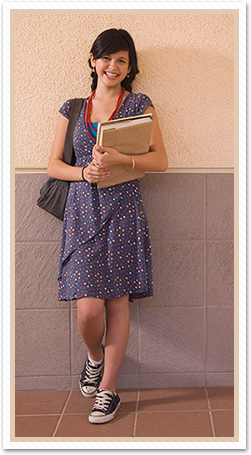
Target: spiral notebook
(128,135)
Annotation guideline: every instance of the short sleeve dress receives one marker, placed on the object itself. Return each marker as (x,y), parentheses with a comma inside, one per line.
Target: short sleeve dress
(105,247)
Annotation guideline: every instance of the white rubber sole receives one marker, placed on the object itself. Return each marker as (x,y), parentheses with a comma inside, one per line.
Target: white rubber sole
(87,395)
(104,419)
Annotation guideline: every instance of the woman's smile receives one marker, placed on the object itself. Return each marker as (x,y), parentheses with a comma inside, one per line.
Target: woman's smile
(112,67)
(111,75)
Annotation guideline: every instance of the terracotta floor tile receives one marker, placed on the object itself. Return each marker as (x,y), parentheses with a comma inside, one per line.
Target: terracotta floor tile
(35,426)
(129,399)
(172,424)
(153,419)
(40,401)
(79,404)
(180,399)
(79,426)
(223,423)
(221,397)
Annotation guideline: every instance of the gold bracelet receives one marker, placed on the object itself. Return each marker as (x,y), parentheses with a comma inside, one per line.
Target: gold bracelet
(133,165)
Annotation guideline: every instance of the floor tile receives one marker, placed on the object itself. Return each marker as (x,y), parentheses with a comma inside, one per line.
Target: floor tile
(223,423)
(162,412)
(79,404)
(35,426)
(172,424)
(79,426)
(128,398)
(40,401)
(180,399)
(221,397)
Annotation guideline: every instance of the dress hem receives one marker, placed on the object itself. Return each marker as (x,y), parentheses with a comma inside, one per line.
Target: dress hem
(132,297)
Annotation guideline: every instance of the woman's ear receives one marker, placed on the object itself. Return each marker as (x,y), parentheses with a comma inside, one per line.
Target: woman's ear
(93,62)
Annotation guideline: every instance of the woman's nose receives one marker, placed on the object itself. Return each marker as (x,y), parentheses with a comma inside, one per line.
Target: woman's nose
(112,64)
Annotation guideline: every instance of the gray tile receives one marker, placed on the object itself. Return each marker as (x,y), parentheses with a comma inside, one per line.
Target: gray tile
(130,362)
(36,275)
(220,273)
(33,223)
(220,379)
(220,340)
(220,206)
(43,383)
(174,205)
(178,274)
(128,381)
(172,340)
(163,380)
(42,342)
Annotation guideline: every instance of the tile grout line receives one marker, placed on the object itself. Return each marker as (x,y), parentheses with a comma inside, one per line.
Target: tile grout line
(126,412)
(154,240)
(136,414)
(36,415)
(138,324)
(210,412)
(205,277)
(62,413)
(71,344)
(144,306)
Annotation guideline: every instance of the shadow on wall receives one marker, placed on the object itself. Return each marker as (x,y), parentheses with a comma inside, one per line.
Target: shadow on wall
(196,107)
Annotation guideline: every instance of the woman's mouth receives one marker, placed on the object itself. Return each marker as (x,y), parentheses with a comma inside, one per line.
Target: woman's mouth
(110,75)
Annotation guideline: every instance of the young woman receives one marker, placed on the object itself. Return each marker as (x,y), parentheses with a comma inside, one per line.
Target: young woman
(105,259)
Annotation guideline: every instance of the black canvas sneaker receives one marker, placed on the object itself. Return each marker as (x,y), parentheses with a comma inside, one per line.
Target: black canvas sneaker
(90,377)
(106,406)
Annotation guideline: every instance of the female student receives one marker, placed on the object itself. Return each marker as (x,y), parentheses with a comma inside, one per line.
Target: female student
(105,258)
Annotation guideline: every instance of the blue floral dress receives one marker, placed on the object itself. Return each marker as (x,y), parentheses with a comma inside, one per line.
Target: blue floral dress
(105,248)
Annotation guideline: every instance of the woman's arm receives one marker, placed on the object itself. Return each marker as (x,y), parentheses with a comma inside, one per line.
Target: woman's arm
(156,158)
(56,167)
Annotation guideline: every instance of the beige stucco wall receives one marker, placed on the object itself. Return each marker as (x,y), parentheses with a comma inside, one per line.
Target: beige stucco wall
(186,66)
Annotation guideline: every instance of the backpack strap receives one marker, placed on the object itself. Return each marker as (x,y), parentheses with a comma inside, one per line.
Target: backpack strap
(68,153)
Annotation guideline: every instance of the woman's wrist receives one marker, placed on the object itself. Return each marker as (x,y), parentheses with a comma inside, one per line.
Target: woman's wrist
(83,174)
(129,162)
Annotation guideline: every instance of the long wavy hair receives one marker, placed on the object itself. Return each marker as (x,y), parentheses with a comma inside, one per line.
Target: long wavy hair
(109,42)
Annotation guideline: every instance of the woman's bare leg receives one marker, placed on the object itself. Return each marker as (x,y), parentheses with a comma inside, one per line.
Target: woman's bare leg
(90,321)
(117,334)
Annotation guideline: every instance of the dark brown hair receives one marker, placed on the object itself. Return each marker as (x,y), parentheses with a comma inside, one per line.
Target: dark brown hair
(109,42)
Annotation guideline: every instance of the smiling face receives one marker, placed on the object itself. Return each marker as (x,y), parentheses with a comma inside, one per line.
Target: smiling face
(111,69)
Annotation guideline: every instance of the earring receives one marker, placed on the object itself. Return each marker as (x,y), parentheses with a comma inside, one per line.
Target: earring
(128,75)
(93,69)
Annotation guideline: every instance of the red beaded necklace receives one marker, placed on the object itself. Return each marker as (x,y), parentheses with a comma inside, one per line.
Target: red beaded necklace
(88,110)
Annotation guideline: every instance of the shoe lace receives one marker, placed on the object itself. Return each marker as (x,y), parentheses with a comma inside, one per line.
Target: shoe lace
(102,401)
(91,373)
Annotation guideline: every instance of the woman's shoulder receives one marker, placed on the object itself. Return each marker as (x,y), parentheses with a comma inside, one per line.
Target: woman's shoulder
(66,107)
(141,101)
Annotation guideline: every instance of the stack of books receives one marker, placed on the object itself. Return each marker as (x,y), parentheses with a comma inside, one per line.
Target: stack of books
(130,136)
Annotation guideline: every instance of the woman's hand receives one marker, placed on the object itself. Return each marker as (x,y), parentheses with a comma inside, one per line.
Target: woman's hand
(106,156)
(94,173)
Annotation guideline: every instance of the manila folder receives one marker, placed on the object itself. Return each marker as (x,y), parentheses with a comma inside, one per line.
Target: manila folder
(131,138)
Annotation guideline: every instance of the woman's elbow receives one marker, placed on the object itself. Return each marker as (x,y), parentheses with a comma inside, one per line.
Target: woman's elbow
(164,164)
(50,170)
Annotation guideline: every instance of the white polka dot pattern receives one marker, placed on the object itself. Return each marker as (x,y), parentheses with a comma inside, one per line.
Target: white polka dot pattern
(105,247)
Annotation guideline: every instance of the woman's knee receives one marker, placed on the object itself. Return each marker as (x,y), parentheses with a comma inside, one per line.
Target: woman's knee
(117,304)
(89,310)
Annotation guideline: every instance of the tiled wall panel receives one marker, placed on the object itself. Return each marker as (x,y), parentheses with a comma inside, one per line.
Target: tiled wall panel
(182,336)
